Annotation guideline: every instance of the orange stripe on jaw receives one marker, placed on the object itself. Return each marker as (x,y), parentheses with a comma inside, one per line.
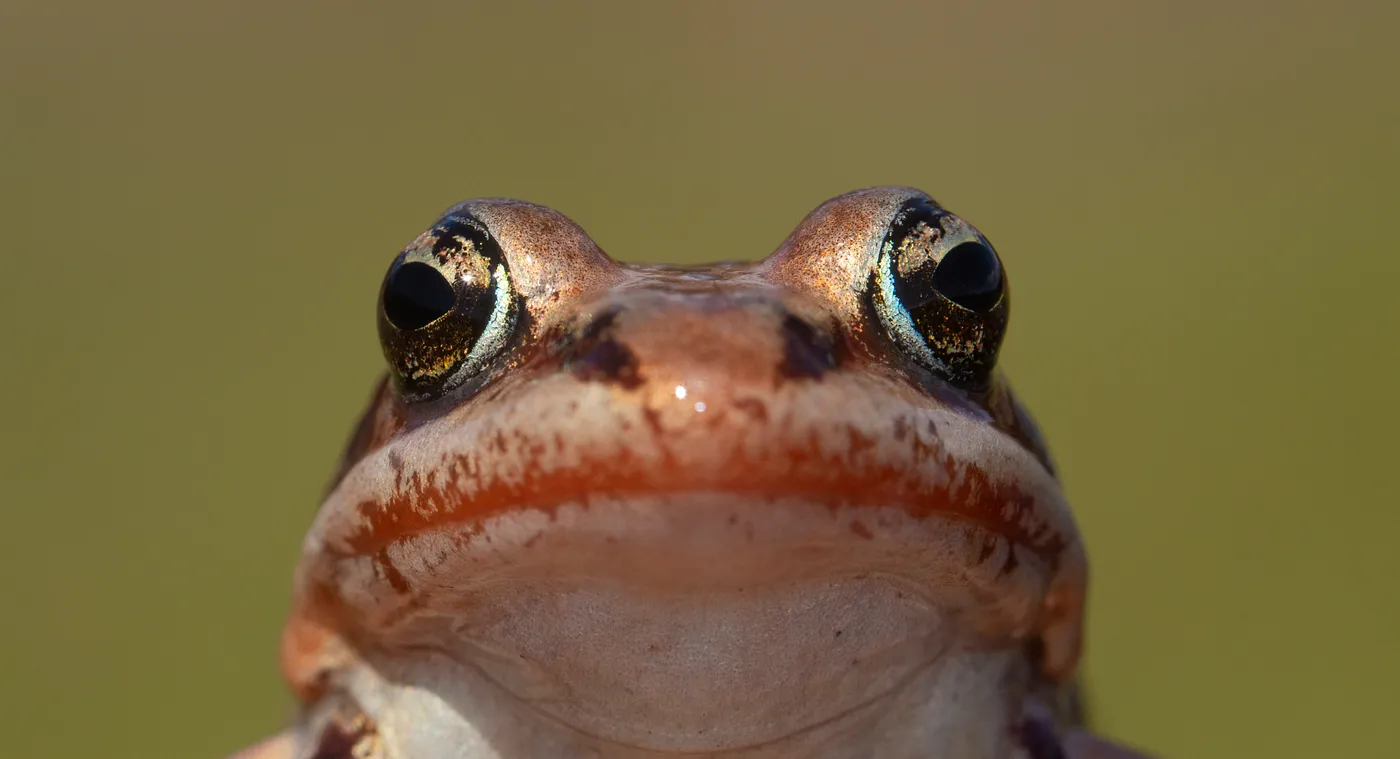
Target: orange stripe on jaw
(803,472)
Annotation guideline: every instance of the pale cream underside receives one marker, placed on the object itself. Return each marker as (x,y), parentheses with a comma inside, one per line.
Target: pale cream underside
(782,634)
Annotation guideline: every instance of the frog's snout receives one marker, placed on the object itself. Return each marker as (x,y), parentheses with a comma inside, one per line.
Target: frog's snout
(700,339)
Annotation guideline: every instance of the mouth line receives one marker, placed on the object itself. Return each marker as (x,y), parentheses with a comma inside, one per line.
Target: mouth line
(962,494)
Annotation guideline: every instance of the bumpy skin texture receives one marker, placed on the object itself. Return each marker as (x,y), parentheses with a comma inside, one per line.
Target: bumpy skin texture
(715,512)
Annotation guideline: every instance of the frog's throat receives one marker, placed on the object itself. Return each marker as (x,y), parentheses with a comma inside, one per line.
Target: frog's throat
(797,627)
(669,624)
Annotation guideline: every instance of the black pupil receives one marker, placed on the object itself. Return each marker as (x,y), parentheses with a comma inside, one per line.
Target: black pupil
(417,295)
(970,276)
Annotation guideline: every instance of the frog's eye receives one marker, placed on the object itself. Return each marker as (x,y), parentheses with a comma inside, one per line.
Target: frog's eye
(941,293)
(446,307)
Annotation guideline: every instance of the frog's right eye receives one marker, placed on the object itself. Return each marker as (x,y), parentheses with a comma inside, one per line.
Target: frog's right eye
(446,308)
(941,293)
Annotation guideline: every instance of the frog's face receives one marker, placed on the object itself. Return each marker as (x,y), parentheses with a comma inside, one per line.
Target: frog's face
(600,510)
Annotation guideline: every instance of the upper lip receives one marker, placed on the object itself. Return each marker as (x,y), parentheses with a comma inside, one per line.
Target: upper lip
(390,497)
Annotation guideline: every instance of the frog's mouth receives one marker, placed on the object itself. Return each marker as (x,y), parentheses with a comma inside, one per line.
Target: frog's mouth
(649,565)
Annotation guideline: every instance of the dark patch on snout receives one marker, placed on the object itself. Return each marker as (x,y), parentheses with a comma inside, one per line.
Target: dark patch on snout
(808,353)
(596,355)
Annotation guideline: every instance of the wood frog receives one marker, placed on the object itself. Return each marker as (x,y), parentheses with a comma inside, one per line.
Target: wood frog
(781,509)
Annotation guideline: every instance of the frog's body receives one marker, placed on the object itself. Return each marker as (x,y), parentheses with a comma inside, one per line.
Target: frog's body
(786,509)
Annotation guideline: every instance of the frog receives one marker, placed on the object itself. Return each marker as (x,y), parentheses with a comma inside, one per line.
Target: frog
(787,507)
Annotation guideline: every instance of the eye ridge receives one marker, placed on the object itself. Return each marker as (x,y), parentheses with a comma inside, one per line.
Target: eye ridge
(447,306)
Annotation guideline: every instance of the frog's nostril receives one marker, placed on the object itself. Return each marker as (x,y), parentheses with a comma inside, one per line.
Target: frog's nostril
(807,351)
(597,355)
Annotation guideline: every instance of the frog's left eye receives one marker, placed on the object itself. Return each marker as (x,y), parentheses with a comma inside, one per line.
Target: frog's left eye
(446,307)
(941,293)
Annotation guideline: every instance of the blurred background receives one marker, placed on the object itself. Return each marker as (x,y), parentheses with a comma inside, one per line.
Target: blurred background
(1195,201)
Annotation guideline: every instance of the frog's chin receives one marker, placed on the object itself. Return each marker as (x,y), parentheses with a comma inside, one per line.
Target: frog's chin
(694,621)
(806,671)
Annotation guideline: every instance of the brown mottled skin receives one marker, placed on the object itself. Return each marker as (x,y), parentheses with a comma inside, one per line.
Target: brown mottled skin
(728,511)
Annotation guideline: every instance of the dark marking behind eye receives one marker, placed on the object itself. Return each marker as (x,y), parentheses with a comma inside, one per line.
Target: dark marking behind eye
(807,352)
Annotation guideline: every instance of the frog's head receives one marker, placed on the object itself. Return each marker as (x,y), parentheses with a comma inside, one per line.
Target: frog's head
(687,509)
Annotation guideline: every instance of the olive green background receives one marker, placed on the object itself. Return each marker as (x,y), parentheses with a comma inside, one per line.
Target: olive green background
(1195,201)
